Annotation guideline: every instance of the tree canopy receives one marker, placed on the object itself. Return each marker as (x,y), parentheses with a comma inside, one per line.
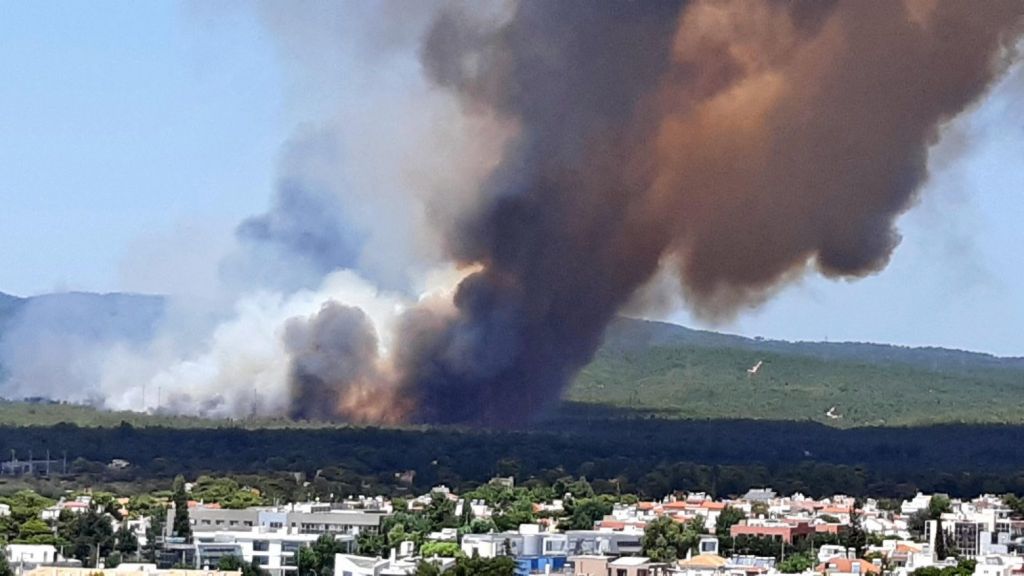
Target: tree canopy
(666,540)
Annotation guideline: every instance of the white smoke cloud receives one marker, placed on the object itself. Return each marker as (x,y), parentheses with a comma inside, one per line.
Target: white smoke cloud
(391,159)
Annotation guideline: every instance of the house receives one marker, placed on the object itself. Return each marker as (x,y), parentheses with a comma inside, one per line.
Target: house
(843,566)
(275,551)
(31,553)
(702,565)
(1001,565)
(527,565)
(350,565)
(615,543)
(750,565)
(636,566)
(918,503)
(296,519)
(589,565)
(128,570)
(787,532)
(528,541)
(598,565)
(79,505)
(760,495)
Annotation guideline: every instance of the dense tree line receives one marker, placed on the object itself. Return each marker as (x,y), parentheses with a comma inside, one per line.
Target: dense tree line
(646,456)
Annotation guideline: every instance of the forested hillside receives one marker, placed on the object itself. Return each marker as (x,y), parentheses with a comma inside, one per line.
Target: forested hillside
(652,367)
(682,373)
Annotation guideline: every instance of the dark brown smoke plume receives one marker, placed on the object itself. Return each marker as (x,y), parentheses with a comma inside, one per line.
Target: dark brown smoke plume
(336,367)
(741,141)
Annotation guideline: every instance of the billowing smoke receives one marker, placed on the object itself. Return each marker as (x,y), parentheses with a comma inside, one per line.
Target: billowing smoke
(336,367)
(740,142)
(449,242)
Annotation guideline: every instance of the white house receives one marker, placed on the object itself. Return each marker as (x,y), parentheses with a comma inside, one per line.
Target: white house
(30,553)
(275,551)
(528,541)
(918,503)
(351,565)
(1001,565)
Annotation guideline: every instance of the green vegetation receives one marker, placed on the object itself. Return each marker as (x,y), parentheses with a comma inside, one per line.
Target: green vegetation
(678,373)
(963,568)
(476,566)
(318,559)
(181,527)
(801,551)
(796,563)
(674,372)
(666,540)
(233,563)
(47,413)
(728,518)
(618,452)
(442,549)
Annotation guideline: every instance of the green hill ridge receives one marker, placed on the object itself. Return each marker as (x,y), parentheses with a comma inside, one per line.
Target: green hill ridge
(676,372)
(668,371)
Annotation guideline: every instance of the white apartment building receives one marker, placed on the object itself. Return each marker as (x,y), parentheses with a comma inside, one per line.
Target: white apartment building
(275,551)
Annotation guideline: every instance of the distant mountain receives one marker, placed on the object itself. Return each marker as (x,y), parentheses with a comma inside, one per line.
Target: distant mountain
(655,367)
(677,372)
(8,307)
(627,334)
(37,333)
(100,316)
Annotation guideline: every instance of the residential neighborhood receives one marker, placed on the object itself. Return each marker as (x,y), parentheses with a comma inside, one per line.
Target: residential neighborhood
(515,530)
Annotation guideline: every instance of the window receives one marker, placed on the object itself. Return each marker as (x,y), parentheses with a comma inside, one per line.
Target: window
(260,545)
(620,572)
(554,545)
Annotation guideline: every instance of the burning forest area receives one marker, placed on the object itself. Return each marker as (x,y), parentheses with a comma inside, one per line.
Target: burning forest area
(449,244)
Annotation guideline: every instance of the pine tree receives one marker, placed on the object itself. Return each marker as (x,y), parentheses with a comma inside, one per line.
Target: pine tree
(181,526)
(940,540)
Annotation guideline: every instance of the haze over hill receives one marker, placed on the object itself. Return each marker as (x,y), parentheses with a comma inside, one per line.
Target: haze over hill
(669,370)
(46,342)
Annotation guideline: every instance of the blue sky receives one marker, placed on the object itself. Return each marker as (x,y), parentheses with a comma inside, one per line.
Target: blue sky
(121,120)
(125,123)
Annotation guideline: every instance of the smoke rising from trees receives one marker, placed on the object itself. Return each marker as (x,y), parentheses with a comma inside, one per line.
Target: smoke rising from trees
(497,182)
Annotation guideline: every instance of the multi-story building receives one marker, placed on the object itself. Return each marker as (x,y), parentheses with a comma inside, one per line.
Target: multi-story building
(276,551)
(293,519)
(963,536)
(785,531)
(528,541)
